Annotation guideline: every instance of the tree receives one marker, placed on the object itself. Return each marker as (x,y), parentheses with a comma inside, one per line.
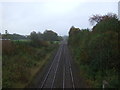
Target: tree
(98,18)
(34,36)
(49,35)
(95,19)
(106,23)
(34,39)
(40,36)
(73,33)
(73,30)
(6,32)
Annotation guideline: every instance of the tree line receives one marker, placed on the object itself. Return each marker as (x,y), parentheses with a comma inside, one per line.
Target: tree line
(47,35)
(97,50)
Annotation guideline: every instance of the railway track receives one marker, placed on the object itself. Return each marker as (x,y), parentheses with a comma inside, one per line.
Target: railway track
(47,83)
(68,70)
(59,74)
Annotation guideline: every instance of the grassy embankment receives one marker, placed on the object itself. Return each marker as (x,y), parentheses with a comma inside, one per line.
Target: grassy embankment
(21,61)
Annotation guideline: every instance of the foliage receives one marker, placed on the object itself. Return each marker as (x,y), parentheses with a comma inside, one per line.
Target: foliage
(14,37)
(97,51)
(20,62)
(98,18)
(39,39)
(49,35)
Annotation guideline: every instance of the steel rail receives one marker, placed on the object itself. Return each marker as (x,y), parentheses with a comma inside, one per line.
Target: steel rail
(56,69)
(64,71)
(43,83)
(71,73)
(63,77)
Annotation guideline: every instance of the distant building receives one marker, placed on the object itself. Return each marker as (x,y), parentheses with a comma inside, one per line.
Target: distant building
(119,10)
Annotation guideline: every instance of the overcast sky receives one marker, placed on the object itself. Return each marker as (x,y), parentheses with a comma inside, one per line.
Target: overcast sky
(59,15)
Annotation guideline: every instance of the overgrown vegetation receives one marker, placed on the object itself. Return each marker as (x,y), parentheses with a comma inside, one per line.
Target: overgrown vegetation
(21,60)
(97,51)
(13,36)
(47,35)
